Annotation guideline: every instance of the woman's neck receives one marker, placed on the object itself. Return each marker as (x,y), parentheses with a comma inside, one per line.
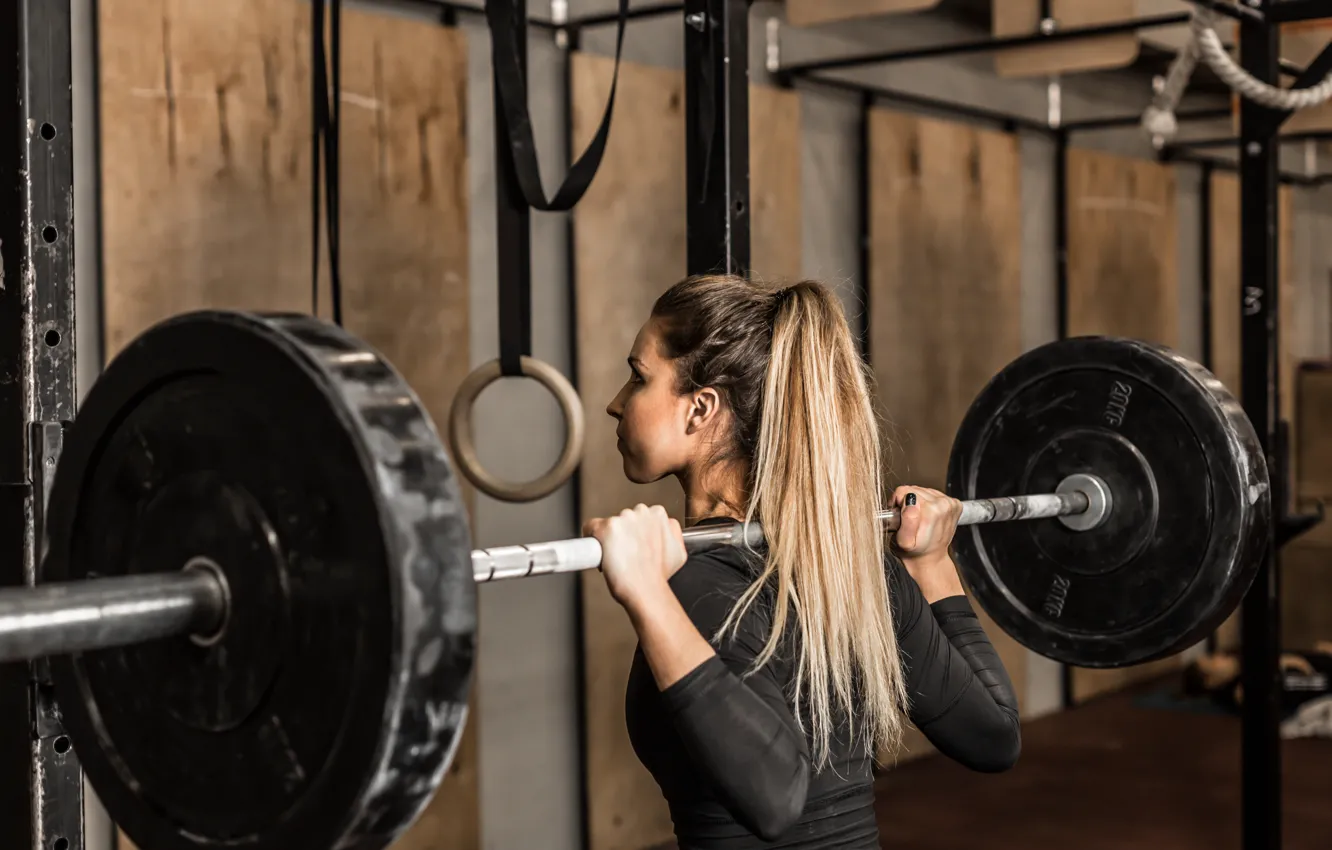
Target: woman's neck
(715,490)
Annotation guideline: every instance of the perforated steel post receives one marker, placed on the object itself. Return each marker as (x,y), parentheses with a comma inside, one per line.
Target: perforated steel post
(41,786)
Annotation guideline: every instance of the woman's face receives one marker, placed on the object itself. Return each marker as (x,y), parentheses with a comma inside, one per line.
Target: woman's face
(658,427)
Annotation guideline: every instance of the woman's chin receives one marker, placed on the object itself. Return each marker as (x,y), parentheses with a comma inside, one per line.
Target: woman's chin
(634,474)
(634,471)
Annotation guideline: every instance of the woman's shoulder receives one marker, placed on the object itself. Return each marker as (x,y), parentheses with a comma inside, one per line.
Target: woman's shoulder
(710,583)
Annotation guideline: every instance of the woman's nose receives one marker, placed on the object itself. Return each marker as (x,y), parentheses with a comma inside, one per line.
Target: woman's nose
(615,409)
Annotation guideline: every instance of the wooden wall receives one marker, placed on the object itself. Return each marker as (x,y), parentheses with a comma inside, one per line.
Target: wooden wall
(630,247)
(1123,280)
(205,151)
(944,293)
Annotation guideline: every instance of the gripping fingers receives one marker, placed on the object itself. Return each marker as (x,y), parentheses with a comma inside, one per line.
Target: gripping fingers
(900,494)
(908,528)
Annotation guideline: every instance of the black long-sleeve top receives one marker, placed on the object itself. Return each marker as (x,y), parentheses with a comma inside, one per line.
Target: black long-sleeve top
(734,767)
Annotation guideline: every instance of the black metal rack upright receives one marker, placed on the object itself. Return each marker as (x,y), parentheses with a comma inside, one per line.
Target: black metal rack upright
(1260,621)
(716,71)
(41,789)
(1260,635)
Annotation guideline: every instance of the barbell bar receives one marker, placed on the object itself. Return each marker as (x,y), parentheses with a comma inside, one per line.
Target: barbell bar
(268,498)
(102,612)
(583,553)
(105,612)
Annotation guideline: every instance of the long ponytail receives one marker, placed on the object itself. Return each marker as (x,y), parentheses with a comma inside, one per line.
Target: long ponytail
(807,426)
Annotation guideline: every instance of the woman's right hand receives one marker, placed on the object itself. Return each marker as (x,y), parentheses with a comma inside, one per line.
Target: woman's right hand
(640,550)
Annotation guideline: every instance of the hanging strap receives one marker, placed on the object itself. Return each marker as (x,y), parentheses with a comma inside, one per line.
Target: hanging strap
(506,54)
(327,113)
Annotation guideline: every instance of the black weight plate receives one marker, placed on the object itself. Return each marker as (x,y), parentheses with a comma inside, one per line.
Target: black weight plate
(1190,503)
(296,459)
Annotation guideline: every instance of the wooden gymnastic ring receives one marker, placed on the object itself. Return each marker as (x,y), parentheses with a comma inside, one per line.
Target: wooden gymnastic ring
(463,444)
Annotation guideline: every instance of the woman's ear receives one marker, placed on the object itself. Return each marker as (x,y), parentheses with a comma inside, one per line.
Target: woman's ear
(704,409)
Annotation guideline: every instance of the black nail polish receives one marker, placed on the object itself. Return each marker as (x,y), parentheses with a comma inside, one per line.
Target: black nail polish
(910,499)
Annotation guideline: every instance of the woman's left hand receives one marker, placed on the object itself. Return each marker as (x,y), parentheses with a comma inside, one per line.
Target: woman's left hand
(927,527)
(640,550)
(923,537)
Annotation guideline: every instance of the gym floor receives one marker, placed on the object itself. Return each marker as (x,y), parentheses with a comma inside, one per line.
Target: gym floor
(1109,775)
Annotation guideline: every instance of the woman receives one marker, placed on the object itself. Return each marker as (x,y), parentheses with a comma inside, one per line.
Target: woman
(765,682)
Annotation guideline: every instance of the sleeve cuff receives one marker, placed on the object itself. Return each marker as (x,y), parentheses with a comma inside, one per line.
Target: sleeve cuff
(951,606)
(694,684)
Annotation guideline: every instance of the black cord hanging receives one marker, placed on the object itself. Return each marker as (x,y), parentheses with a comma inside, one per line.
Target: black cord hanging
(327,120)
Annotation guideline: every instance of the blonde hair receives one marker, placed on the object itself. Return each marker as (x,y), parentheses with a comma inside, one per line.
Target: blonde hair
(789,369)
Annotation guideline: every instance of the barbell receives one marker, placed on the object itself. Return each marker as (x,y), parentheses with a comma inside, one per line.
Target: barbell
(258,594)
(100,613)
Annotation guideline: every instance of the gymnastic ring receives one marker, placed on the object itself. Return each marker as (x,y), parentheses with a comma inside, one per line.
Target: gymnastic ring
(464,445)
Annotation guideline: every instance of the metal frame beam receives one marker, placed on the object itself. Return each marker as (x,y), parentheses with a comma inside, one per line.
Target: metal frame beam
(1272,119)
(451,10)
(1287,11)
(1234,141)
(988,44)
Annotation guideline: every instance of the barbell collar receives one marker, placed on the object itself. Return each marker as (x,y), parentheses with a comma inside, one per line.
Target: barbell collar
(1099,501)
(98,613)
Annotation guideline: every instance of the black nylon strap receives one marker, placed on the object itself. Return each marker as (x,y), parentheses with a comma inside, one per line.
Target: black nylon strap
(513,227)
(327,114)
(507,51)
